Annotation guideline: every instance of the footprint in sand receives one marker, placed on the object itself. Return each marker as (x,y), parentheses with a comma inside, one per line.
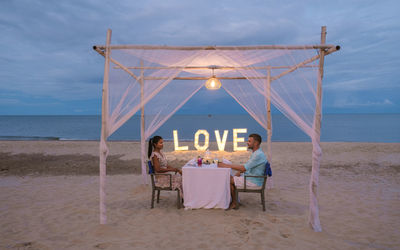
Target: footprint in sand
(245,221)
(248,222)
(284,235)
(242,231)
(104,245)
(24,244)
(30,245)
(272,207)
(272,219)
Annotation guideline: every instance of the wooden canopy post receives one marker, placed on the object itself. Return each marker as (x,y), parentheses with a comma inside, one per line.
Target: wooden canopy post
(269,127)
(104,133)
(142,127)
(269,123)
(317,152)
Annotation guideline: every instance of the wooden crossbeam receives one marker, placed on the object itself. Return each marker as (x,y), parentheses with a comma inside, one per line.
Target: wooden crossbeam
(254,47)
(219,67)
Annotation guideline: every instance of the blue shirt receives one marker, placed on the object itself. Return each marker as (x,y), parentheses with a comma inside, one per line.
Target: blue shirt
(256,166)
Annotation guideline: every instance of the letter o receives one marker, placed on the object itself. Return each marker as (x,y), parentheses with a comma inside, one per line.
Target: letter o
(206,140)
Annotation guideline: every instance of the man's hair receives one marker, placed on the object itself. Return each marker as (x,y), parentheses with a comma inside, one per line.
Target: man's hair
(256,137)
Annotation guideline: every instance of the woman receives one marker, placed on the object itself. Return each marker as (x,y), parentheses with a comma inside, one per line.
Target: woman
(160,165)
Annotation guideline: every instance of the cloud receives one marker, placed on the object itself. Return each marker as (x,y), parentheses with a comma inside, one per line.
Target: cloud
(343,103)
(10,101)
(58,91)
(353,85)
(46,46)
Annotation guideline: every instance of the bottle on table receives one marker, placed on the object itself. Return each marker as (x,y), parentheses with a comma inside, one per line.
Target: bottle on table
(199,161)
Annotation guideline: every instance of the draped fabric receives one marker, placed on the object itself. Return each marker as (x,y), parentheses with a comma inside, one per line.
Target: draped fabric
(158,82)
(293,94)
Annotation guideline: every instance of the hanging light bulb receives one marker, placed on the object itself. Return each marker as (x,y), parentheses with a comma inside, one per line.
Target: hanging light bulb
(213,83)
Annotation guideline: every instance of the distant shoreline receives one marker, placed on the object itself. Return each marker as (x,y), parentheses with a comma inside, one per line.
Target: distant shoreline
(335,128)
(22,158)
(166,140)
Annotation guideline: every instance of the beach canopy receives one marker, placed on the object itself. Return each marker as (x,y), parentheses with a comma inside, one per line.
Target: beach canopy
(158,80)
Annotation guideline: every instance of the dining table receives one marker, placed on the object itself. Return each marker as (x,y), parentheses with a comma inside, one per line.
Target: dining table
(205,186)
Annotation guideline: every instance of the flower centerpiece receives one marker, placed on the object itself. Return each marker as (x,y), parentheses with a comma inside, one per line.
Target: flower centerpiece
(207,158)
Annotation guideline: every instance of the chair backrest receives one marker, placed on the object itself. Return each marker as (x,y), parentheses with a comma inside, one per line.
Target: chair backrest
(268,170)
(151,168)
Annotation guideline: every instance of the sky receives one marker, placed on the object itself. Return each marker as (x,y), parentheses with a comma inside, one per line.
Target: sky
(48,66)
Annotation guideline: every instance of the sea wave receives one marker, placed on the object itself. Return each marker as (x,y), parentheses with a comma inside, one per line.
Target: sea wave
(28,138)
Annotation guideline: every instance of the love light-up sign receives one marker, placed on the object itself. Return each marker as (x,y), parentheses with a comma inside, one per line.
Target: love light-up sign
(220,142)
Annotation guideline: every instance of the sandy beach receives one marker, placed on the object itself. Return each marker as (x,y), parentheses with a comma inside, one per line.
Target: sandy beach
(49,199)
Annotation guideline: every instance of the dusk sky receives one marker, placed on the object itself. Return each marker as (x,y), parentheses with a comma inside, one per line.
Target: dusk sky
(48,66)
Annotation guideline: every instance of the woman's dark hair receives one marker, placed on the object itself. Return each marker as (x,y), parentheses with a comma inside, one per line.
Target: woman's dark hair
(153,141)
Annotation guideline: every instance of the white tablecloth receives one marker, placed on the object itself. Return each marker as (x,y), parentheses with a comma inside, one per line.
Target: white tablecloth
(206,186)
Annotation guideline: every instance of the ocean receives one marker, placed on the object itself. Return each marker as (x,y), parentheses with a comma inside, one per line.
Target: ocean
(335,127)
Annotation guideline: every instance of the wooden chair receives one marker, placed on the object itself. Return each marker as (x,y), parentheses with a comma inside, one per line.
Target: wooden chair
(245,189)
(155,188)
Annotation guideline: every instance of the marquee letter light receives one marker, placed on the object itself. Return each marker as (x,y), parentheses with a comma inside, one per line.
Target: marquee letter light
(206,140)
(221,144)
(237,139)
(176,143)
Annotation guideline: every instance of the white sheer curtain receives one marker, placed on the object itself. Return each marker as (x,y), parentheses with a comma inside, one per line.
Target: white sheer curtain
(124,92)
(162,94)
(294,94)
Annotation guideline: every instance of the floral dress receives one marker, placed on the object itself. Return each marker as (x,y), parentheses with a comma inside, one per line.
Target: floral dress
(163,181)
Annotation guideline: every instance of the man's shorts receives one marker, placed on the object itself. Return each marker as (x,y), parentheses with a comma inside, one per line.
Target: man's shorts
(239,182)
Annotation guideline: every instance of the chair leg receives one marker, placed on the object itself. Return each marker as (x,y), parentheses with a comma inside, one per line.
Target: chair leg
(178,203)
(263,200)
(152,198)
(158,196)
(237,195)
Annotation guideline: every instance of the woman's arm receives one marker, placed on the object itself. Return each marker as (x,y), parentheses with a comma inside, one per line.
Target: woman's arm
(172,169)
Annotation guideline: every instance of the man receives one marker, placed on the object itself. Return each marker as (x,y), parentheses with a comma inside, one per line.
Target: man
(254,166)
